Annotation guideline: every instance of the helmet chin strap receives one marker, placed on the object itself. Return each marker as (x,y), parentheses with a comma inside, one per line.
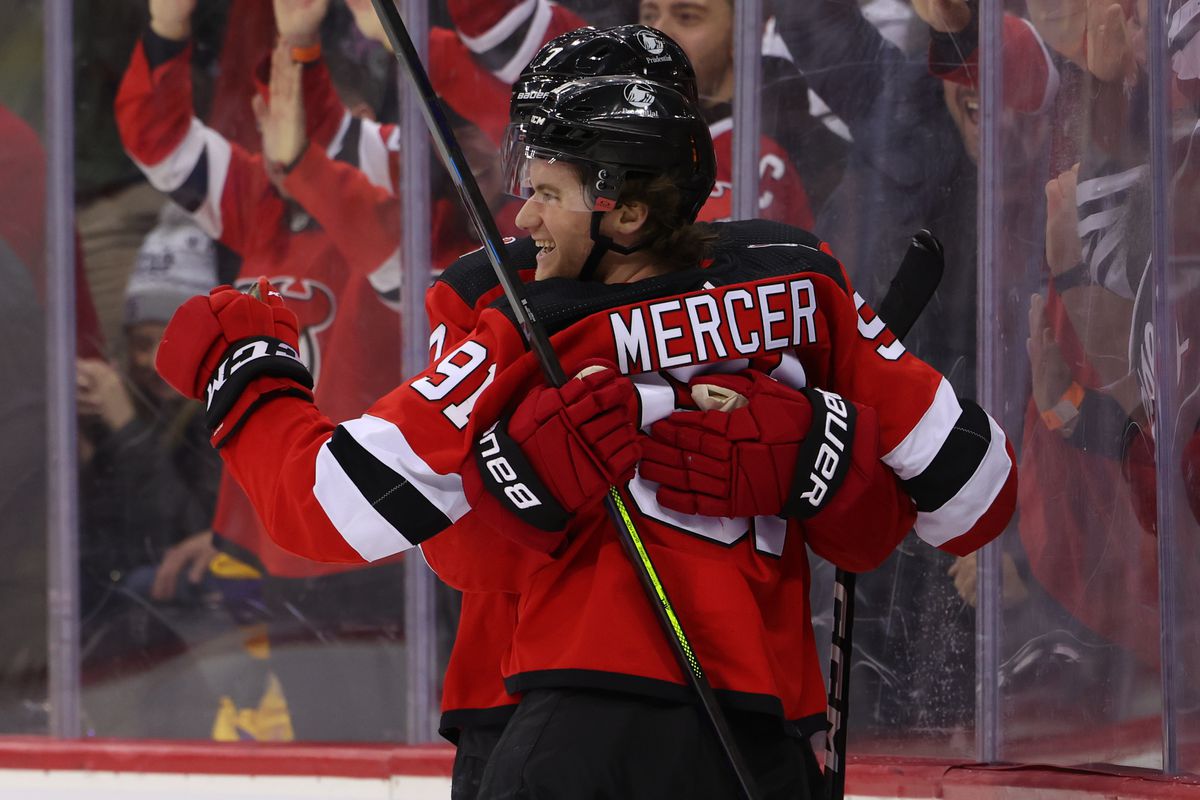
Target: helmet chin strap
(601,244)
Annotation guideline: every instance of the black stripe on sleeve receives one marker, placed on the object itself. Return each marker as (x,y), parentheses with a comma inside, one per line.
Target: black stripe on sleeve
(194,190)
(348,152)
(159,50)
(495,58)
(955,462)
(392,495)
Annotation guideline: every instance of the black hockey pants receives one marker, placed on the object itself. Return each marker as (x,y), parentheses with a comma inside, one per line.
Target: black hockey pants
(569,744)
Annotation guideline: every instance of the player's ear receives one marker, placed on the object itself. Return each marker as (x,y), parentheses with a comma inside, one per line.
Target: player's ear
(629,217)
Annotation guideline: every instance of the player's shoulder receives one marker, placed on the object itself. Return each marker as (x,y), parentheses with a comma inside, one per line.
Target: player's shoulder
(759,248)
(471,276)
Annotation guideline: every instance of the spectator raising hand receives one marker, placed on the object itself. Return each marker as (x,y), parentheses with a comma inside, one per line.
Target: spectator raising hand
(1110,33)
(1064,248)
(281,118)
(944,16)
(100,394)
(1050,375)
(172,19)
(1100,317)
(299,21)
(367,21)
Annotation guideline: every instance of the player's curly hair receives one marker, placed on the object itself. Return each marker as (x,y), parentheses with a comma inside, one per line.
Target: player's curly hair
(675,241)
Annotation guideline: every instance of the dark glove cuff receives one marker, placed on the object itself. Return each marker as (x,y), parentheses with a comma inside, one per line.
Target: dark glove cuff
(509,477)
(159,50)
(244,361)
(824,458)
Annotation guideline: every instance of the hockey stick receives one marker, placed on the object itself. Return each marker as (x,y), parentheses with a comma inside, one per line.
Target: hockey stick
(911,288)
(537,340)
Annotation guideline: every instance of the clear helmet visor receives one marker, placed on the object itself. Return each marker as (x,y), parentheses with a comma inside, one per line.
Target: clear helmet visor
(546,176)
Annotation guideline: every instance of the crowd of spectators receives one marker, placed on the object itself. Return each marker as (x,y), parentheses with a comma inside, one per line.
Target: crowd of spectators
(223,140)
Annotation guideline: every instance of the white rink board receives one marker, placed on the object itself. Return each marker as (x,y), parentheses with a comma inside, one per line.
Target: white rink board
(72,785)
(16,784)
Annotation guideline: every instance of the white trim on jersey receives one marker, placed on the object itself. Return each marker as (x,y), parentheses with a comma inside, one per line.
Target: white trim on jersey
(657,398)
(335,144)
(363,528)
(495,35)
(720,128)
(173,171)
(960,513)
(355,518)
(387,279)
(913,455)
(170,173)
(374,155)
(534,37)
(1053,79)
(790,372)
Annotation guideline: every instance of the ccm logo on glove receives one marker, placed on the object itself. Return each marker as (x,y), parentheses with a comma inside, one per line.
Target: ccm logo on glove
(241,354)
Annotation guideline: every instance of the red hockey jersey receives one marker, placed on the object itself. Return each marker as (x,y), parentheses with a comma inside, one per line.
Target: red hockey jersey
(335,257)
(390,479)
(781,195)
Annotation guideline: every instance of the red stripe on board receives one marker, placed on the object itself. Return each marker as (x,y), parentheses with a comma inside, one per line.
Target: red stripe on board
(929,778)
(235,758)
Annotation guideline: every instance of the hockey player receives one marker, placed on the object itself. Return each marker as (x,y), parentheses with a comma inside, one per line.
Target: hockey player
(668,303)
(475,703)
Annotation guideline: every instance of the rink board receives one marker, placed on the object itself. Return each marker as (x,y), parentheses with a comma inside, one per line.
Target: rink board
(48,769)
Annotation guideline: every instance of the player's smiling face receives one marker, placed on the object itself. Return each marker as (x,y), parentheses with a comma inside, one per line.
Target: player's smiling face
(557,218)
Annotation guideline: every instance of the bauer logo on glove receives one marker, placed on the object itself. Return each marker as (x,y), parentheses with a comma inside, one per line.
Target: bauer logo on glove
(823,454)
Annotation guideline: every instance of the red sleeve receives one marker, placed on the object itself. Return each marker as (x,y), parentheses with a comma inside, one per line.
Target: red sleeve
(474,66)
(870,502)
(384,482)
(243,46)
(223,187)
(952,459)
(154,106)
(362,219)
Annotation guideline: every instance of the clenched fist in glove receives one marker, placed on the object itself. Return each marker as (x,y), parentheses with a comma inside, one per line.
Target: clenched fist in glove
(559,452)
(782,452)
(235,352)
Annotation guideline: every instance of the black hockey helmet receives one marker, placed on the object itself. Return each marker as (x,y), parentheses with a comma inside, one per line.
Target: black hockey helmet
(613,127)
(591,52)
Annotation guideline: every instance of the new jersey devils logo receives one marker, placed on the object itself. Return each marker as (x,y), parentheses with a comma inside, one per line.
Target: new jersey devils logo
(314,304)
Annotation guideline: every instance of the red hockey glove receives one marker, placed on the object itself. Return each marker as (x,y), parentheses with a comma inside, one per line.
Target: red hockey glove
(755,460)
(215,347)
(559,451)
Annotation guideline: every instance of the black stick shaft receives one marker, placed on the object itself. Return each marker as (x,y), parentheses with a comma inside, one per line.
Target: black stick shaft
(468,189)
(535,336)
(911,289)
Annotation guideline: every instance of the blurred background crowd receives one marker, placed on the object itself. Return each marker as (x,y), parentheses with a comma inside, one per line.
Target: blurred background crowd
(220,140)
